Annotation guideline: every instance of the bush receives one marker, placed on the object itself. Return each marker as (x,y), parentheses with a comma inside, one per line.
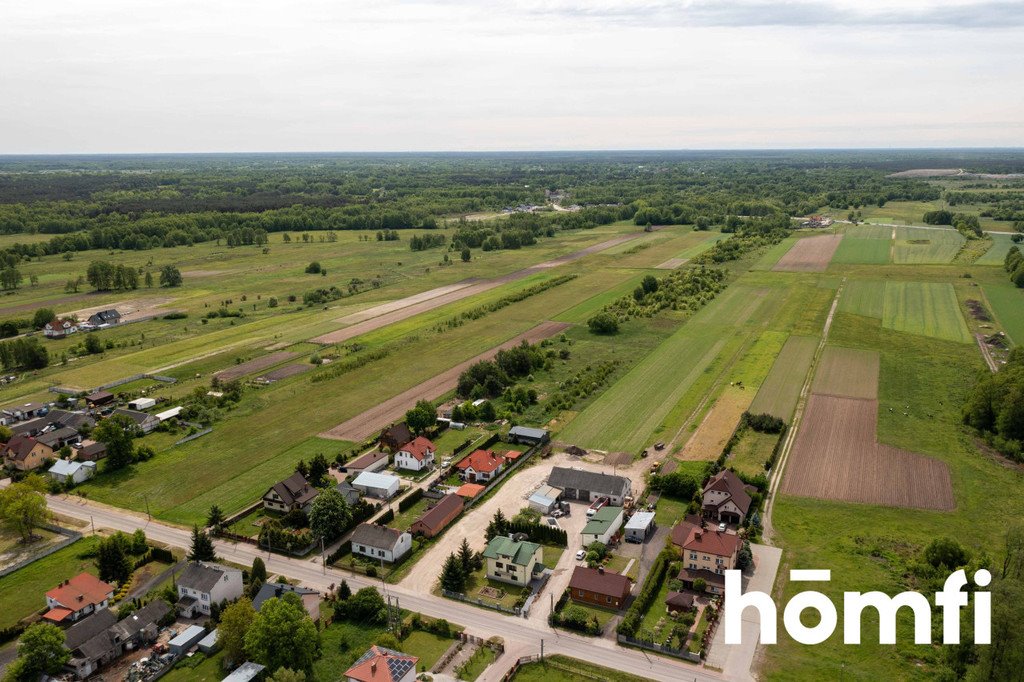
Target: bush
(603,323)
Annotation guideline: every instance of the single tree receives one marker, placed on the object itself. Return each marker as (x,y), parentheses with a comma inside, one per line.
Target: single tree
(453,577)
(149,280)
(368,606)
(466,557)
(318,469)
(41,317)
(23,506)
(603,323)
(112,560)
(93,345)
(215,518)
(235,621)
(202,546)
(282,635)
(466,255)
(329,515)
(170,276)
(258,572)
(41,651)
(116,432)
(421,417)
(344,591)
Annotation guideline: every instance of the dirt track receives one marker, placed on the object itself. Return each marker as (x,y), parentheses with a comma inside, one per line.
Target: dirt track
(812,254)
(364,425)
(255,365)
(382,315)
(835,457)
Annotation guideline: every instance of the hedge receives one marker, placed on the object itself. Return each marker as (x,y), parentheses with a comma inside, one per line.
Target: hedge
(631,622)
(387,517)
(409,500)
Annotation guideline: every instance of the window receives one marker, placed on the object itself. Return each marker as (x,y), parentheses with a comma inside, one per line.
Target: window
(206,597)
(609,599)
(580,593)
(498,564)
(693,555)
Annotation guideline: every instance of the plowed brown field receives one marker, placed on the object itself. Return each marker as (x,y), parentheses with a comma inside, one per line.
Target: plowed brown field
(812,254)
(835,457)
(254,365)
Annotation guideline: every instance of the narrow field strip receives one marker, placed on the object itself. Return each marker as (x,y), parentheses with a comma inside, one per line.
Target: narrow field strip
(709,439)
(847,372)
(1007,302)
(811,254)
(996,253)
(781,389)
(255,365)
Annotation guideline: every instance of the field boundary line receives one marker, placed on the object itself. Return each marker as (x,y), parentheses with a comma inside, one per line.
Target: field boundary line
(801,404)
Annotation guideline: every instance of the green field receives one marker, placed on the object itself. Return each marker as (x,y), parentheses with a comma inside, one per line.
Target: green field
(854,250)
(23,592)
(863,297)
(918,246)
(772,255)
(779,391)
(996,254)
(751,452)
(1007,302)
(930,309)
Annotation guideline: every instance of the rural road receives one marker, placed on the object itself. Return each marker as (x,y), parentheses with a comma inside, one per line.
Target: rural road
(522,637)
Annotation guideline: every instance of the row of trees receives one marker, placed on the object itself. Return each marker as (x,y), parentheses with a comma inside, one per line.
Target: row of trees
(488,378)
(1014,264)
(995,407)
(106,276)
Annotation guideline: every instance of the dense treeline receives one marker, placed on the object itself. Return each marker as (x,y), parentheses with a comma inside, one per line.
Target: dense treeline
(1014,264)
(24,353)
(488,378)
(996,407)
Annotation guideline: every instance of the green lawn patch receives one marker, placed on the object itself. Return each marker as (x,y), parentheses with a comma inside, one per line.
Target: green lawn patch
(198,668)
(565,669)
(919,246)
(670,511)
(752,451)
(426,646)
(552,555)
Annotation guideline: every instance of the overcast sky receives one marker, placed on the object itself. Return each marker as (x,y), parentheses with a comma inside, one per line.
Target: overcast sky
(391,75)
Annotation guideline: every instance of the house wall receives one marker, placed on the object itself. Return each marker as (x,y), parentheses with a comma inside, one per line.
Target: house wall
(405,460)
(511,573)
(387,554)
(597,599)
(606,536)
(697,559)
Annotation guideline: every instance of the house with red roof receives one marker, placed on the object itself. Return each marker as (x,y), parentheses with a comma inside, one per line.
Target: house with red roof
(76,598)
(707,555)
(383,665)
(24,453)
(416,455)
(481,466)
(58,328)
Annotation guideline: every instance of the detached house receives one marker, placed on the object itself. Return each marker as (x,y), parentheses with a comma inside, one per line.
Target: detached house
(25,453)
(513,561)
(481,466)
(101,638)
(706,555)
(380,542)
(104,318)
(599,587)
(382,665)
(416,455)
(58,328)
(726,498)
(202,584)
(395,436)
(76,598)
(437,518)
(293,493)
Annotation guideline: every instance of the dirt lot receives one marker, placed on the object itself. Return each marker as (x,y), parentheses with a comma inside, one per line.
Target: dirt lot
(254,365)
(835,457)
(847,372)
(364,425)
(374,318)
(707,441)
(812,254)
(284,372)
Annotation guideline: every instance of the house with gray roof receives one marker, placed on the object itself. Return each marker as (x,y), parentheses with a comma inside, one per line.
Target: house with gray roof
(310,598)
(588,486)
(380,542)
(101,638)
(202,584)
(145,421)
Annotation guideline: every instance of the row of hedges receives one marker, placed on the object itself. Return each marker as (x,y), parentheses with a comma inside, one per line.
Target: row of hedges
(631,622)
(409,500)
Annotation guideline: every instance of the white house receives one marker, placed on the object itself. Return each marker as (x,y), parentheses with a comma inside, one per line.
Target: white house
(58,328)
(202,584)
(64,471)
(416,455)
(513,561)
(603,525)
(725,498)
(381,486)
(380,542)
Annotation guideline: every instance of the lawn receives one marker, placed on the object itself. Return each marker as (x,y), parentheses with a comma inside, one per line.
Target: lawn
(477,663)
(551,555)
(693,643)
(602,615)
(251,524)
(405,519)
(927,308)
(669,511)
(343,642)
(11,541)
(1007,302)
(752,451)
(426,646)
(565,669)
(198,668)
(617,564)
(996,253)
(22,593)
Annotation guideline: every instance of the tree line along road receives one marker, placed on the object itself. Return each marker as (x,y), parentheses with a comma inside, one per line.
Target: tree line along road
(521,636)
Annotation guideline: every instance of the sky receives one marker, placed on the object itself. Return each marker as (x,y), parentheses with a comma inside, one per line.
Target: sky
(119,76)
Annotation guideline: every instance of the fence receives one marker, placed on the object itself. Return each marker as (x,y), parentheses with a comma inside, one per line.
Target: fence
(651,646)
(195,435)
(114,384)
(523,660)
(496,647)
(480,602)
(70,536)
(237,516)
(447,657)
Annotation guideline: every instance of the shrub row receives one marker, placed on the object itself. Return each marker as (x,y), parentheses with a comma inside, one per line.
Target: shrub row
(631,622)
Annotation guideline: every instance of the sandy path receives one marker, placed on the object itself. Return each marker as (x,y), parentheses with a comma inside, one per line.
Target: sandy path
(672,263)
(364,425)
(392,306)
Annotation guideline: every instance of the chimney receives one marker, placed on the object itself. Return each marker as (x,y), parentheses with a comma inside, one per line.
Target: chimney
(373,667)
(698,535)
(600,569)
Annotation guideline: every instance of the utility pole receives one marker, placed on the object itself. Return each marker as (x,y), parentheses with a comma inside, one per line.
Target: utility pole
(93,522)
(541,650)
(323,559)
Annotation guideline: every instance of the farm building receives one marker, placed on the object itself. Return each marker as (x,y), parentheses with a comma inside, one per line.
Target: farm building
(371,461)
(437,518)
(726,498)
(247,672)
(99,398)
(528,436)
(169,414)
(346,490)
(512,561)
(381,486)
(90,451)
(383,665)
(602,526)
(141,404)
(186,639)
(416,455)
(292,493)
(63,418)
(55,439)
(66,471)
(599,587)
(640,526)
(545,499)
(19,413)
(30,427)
(101,638)
(380,542)
(145,422)
(587,486)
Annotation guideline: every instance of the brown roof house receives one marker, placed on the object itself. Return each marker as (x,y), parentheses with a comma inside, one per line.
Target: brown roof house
(90,451)
(395,436)
(293,493)
(726,498)
(437,518)
(25,453)
(371,461)
(599,587)
(706,555)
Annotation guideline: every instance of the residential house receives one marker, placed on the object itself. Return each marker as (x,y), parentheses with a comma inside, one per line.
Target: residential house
(599,587)
(416,455)
(437,518)
(588,486)
(706,555)
(76,420)
(66,471)
(726,498)
(99,398)
(640,527)
(602,526)
(76,598)
(30,427)
(545,499)
(382,665)
(101,638)
(513,561)
(528,436)
(291,494)
(25,453)
(104,318)
(146,422)
(55,439)
(310,598)
(89,451)
(202,584)
(481,466)
(395,436)
(380,542)
(381,486)
(58,328)
(371,462)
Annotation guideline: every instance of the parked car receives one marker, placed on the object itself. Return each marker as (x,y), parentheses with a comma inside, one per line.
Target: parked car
(721,527)
(581,554)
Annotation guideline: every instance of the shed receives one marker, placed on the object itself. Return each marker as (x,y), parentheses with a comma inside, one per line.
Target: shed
(640,526)
(168,414)
(141,404)
(381,486)
(100,398)
(527,435)
(209,643)
(545,499)
(246,672)
(186,639)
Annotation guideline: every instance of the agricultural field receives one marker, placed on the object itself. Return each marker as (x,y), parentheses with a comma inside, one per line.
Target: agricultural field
(929,309)
(847,372)
(864,297)
(810,254)
(921,246)
(996,253)
(1007,302)
(709,439)
(865,245)
(779,391)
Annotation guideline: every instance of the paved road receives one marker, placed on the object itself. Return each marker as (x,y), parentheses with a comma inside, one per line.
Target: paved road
(522,637)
